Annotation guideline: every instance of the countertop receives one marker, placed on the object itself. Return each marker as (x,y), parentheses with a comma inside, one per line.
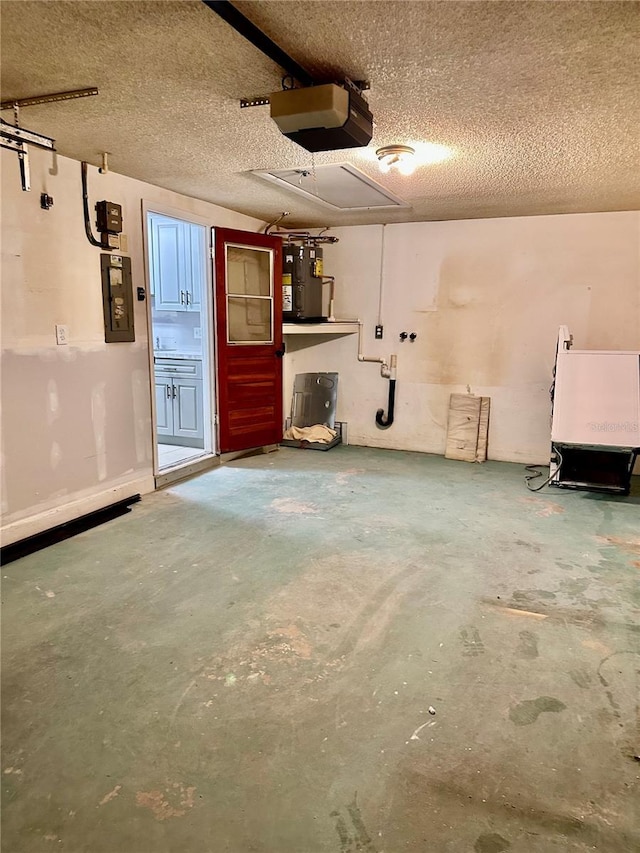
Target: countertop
(174,354)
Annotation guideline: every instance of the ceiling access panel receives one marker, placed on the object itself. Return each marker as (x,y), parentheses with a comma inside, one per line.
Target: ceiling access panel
(339,186)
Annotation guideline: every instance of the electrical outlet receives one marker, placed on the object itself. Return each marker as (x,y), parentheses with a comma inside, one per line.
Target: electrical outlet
(197,332)
(62,335)
(379,330)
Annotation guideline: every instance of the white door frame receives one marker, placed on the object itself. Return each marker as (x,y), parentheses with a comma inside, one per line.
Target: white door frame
(210,455)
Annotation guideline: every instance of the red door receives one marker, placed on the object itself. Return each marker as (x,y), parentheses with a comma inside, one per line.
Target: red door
(248,274)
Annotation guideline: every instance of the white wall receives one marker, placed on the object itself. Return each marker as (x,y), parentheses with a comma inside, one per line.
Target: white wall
(76,420)
(486,298)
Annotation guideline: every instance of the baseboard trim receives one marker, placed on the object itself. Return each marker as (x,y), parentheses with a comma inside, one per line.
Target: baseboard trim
(38,541)
(32,525)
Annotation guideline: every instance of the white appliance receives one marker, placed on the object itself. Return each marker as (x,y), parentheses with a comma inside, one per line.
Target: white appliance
(595,431)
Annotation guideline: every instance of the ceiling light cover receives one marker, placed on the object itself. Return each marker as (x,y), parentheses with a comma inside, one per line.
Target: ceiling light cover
(400,157)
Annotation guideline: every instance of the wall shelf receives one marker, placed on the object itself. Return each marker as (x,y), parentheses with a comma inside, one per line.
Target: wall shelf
(340,327)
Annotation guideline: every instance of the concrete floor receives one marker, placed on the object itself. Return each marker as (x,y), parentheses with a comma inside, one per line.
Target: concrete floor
(249,661)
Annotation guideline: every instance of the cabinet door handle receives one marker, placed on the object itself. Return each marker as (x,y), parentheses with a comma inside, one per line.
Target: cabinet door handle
(174,391)
(188,298)
(168,387)
(182,297)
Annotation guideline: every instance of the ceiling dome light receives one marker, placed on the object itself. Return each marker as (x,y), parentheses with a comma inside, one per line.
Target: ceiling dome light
(407,165)
(400,157)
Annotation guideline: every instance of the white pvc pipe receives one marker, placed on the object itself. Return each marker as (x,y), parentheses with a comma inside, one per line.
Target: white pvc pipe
(385,370)
(381,283)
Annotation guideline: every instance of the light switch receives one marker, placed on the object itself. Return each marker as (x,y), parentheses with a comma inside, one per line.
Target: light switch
(62,335)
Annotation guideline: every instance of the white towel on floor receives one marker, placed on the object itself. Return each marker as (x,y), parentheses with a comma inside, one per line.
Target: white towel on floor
(318,433)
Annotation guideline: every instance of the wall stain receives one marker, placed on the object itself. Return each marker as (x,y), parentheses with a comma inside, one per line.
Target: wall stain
(469,319)
(527,712)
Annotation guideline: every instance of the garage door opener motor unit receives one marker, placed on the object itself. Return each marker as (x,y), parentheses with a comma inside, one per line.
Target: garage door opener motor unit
(323,118)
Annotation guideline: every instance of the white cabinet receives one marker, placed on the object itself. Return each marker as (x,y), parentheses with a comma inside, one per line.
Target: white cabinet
(164,405)
(179,402)
(177,263)
(168,260)
(197,275)
(187,408)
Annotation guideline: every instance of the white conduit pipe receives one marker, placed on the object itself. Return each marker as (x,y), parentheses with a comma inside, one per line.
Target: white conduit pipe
(385,370)
(381,283)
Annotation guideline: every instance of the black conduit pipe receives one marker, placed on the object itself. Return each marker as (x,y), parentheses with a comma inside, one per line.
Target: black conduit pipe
(380,419)
(85,206)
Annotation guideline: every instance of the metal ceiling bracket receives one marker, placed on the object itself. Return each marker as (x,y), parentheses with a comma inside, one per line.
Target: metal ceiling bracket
(358,86)
(260,101)
(16,139)
(23,157)
(21,134)
(48,99)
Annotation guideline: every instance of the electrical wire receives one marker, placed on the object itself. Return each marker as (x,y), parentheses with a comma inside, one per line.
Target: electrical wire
(85,209)
(536,473)
(278,218)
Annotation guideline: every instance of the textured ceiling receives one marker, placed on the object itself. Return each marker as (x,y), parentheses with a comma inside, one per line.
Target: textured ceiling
(540,101)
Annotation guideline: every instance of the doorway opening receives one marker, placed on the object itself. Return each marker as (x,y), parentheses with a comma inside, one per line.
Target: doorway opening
(181,334)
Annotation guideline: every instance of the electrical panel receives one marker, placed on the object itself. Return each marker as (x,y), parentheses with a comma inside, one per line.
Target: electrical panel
(109,217)
(302,271)
(117,298)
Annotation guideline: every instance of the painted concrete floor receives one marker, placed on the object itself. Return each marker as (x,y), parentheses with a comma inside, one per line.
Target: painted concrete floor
(250,661)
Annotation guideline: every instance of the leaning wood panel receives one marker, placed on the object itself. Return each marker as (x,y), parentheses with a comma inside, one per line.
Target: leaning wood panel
(483,429)
(462,427)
